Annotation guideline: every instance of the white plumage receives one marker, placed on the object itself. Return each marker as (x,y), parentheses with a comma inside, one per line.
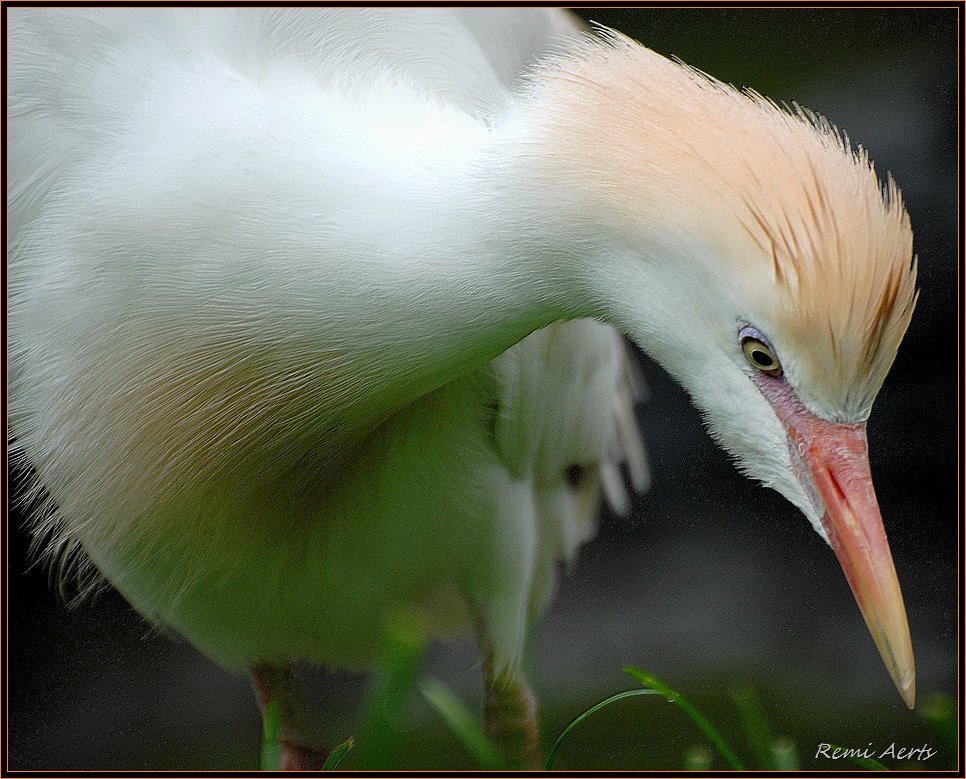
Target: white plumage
(171,406)
(274,274)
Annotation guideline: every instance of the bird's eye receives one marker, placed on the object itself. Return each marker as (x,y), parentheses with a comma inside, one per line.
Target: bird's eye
(760,355)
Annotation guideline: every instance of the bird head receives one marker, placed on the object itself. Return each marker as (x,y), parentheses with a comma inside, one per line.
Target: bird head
(761,261)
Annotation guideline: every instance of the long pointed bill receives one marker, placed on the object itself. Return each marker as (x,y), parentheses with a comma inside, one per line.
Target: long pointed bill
(836,457)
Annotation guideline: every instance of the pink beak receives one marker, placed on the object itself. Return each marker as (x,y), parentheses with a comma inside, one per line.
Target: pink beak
(835,460)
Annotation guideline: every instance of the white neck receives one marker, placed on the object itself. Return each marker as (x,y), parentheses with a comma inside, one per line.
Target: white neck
(418,268)
(465,252)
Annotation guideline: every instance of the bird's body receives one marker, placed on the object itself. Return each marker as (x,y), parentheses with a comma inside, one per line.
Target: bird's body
(303,301)
(389,472)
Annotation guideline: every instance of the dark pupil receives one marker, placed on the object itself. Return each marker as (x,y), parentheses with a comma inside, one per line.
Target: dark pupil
(761,358)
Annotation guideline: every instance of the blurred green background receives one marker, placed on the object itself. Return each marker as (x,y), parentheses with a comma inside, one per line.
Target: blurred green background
(712,582)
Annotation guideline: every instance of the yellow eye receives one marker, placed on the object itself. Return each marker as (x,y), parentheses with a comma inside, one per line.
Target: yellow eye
(761,356)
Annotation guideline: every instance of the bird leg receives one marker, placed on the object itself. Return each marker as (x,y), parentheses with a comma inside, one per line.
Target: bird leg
(510,717)
(278,685)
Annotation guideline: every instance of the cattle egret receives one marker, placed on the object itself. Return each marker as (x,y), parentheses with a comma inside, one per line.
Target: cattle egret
(314,317)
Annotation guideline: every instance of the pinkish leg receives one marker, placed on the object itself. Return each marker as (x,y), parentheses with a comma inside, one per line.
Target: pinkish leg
(279,685)
(510,718)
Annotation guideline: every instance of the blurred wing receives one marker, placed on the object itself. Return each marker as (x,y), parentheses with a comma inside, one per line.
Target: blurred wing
(565,421)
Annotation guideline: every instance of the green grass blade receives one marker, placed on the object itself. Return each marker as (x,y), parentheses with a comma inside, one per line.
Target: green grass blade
(941,711)
(865,762)
(784,755)
(463,724)
(697,758)
(271,752)
(651,681)
(337,755)
(868,762)
(381,733)
(552,754)
(755,724)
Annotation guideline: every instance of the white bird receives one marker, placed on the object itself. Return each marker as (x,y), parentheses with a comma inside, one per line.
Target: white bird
(314,316)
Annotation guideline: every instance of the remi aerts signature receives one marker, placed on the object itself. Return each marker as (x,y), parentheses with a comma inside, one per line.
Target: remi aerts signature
(893,751)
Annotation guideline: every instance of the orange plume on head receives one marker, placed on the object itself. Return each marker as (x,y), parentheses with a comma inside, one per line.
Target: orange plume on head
(799,217)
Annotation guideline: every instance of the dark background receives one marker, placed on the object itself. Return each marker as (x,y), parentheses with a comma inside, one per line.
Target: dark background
(712,580)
